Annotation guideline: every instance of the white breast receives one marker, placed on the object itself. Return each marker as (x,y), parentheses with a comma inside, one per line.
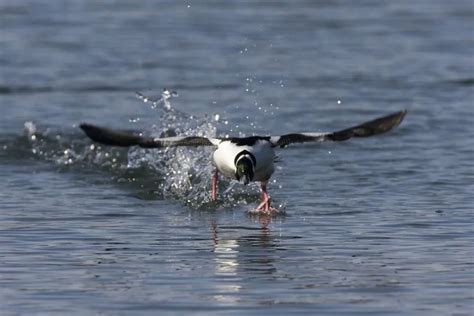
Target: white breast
(262,150)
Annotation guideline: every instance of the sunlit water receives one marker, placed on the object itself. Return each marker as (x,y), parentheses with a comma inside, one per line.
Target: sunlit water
(374,226)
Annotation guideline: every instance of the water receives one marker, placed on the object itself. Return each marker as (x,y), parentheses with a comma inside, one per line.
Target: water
(374,226)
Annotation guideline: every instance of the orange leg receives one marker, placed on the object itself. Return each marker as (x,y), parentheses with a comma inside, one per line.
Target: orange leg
(265,205)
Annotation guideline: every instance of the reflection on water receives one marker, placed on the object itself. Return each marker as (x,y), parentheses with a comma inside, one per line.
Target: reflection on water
(226,265)
(226,257)
(250,255)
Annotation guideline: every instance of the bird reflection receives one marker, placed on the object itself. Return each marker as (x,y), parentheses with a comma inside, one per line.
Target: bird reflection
(240,257)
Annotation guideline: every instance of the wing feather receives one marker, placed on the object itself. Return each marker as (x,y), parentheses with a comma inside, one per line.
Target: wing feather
(126,139)
(112,137)
(374,127)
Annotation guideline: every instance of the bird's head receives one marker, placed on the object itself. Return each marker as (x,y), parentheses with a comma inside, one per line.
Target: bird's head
(244,170)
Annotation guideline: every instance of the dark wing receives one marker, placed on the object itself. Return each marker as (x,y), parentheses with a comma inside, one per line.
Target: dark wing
(125,139)
(374,127)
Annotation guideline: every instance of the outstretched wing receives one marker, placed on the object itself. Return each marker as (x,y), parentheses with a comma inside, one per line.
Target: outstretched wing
(374,127)
(125,139)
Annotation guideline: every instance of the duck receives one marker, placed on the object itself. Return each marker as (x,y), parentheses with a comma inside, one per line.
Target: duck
(245,159)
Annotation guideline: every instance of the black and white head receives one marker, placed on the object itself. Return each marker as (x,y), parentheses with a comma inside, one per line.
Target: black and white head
(244,167)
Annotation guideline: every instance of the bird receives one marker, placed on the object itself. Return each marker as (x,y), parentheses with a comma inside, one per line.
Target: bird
(245,159)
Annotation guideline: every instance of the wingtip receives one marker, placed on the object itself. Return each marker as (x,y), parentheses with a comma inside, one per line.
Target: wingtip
(400,116)
(84,126)
(88,129)
(97,134)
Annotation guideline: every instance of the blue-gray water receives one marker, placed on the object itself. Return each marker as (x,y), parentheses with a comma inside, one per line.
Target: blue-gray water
(371,226)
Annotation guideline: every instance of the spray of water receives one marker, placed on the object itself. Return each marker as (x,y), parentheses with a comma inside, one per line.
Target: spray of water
(186,171)
(67,149)
(181,173)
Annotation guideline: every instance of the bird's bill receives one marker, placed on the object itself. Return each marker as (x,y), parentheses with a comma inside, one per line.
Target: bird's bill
(244,179)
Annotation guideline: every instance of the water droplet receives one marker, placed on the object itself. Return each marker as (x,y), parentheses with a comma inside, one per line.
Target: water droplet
(338,101)
(30,127)
(166,94)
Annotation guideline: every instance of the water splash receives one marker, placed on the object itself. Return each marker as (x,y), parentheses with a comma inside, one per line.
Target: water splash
(186,171)
(179,173)
(166,95)
(67,149)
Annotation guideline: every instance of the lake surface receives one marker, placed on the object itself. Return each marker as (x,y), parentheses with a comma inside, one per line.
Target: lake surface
(378,226)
